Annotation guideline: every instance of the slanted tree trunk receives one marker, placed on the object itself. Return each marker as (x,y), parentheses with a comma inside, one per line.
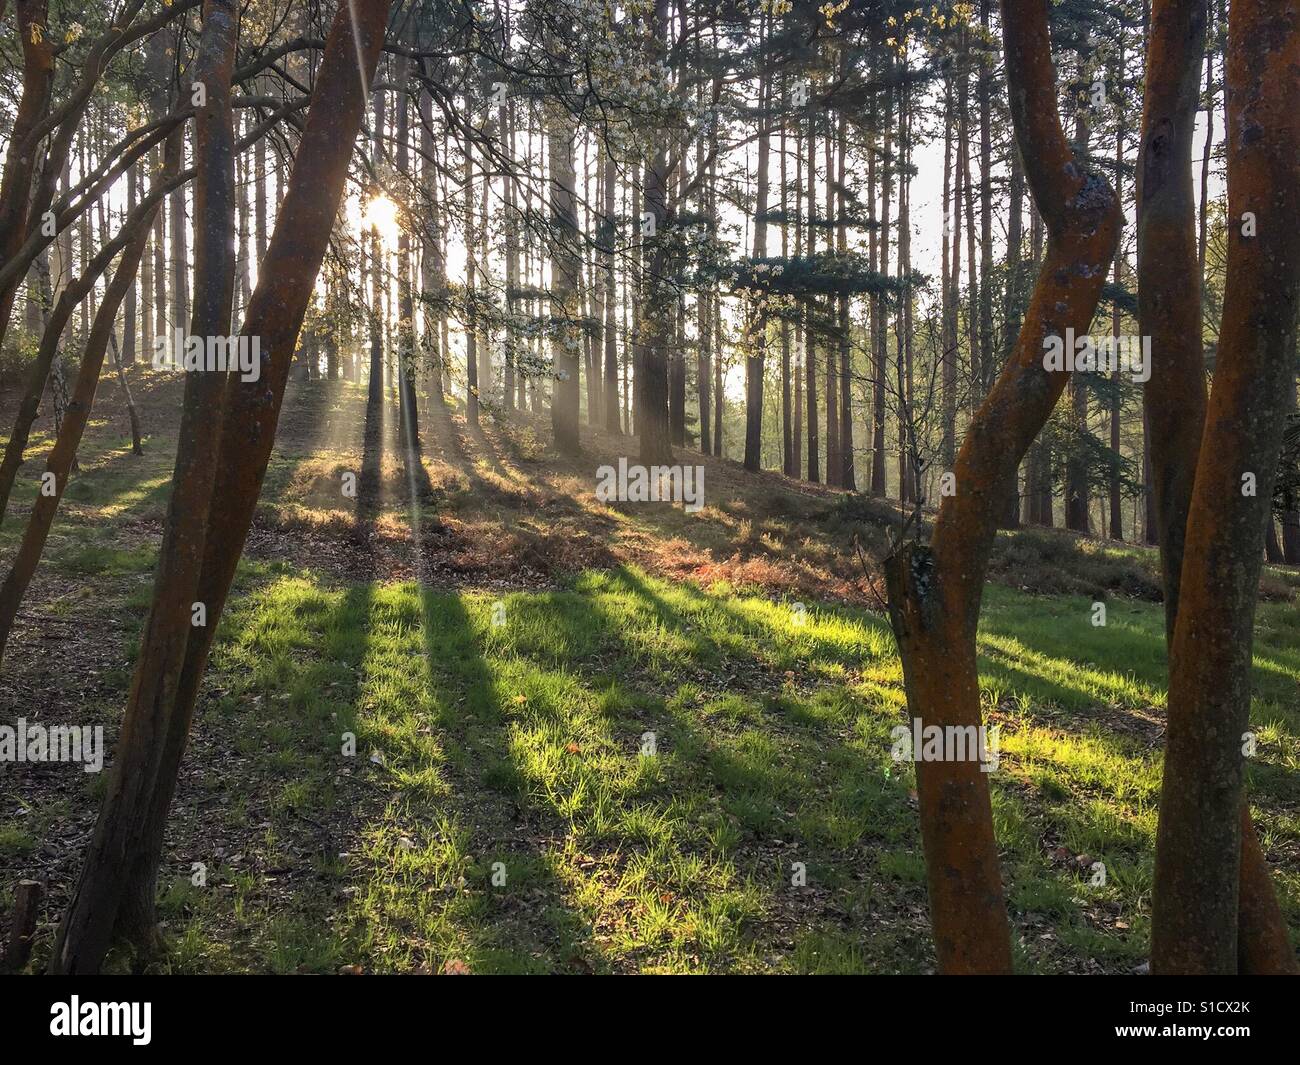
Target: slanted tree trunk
(38,374)
(133,415)
(122,860)
(107,898)
(133,236)
(935,591)
(1213,909)
(31,26)
(59,128)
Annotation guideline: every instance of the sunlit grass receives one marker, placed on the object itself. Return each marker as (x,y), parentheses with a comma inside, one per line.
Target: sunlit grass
(636,820)
(623,773)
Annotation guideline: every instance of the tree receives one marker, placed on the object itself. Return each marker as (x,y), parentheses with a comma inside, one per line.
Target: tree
(657,297)
(756,316)
(131,238)
(31,23)
(1205,884)
(566,268)
(935,590)
(116,885)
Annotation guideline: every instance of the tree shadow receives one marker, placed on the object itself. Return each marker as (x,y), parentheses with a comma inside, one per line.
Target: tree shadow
(528,921)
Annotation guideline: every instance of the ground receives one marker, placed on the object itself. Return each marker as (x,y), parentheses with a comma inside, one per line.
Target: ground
(589,738)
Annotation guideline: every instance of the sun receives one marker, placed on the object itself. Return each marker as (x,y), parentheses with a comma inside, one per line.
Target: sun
(381,213)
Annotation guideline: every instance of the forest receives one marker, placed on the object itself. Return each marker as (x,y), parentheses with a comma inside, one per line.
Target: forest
(648,486)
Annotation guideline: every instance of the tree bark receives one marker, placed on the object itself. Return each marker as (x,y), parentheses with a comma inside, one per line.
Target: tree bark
(834,462)
(810,306)
(879,479)
(848,478)
(31,19)
(756,311)
(566,266)
(935,591)
(409,404)
(1200,864)
(123,857)
(63,455)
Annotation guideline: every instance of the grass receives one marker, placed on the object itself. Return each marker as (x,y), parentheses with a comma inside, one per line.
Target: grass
(523,749)
(615,769)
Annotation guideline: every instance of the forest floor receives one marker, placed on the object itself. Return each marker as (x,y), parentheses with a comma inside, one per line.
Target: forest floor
(589,737)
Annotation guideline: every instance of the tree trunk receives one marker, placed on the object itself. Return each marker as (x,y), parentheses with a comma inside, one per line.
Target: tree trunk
(704,332)
(810,306)
(1213,909)
(133,415)
(129,319)
(21,157)
(433,260)
(848,478)
(655,322)
(116,889)
(879,479)
(63,455)
(756,312)
(834,463)
(471,313)
(985,88)
(1013,309)
(1116,406)
(565,270)
(935,591)
(951,291)
(408,400)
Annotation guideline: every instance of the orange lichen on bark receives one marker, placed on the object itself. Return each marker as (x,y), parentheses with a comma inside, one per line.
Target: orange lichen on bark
(935,592)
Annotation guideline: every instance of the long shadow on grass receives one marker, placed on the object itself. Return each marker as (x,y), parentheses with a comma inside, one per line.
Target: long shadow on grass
(839,796)
(731,795)
(525,923)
